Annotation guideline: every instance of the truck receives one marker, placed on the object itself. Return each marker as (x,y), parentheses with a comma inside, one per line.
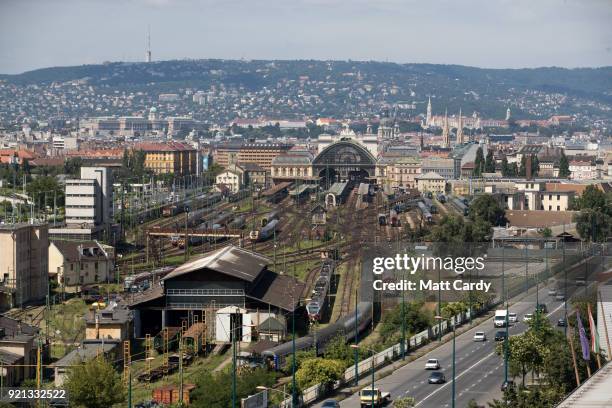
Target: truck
(380,398)
(500,318)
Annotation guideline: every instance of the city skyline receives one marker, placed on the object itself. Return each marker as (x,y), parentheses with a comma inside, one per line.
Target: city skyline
(519,34)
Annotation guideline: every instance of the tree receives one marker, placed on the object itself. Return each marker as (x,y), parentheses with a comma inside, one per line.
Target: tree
(490,162)
(564,171)
(214,390)
(72,166)
(526,352)
(594,221)
(535,165)
(486,208)
(546,232)
(319,371)
(337,349)
(505,169)
(86,390)
(479,163)
(522,171)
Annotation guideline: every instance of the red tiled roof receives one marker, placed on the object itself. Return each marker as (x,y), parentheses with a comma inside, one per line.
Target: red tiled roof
(163,147)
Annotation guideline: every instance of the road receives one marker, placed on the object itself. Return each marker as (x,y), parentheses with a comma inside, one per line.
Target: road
(479,371)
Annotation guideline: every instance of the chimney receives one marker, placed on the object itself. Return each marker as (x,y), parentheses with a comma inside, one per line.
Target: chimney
(97,327)
(528,174)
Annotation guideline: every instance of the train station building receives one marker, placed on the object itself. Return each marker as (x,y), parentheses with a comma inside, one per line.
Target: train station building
(231,290)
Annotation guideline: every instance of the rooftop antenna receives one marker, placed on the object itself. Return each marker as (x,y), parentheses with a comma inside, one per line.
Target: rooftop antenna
(148,43)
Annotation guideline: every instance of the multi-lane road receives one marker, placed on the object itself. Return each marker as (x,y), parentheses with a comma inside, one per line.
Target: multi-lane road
(479,370)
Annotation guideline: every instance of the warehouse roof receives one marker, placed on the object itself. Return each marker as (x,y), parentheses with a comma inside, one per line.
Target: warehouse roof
(278,290)
(229,260)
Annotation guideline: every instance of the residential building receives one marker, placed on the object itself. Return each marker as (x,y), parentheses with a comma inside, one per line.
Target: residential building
(169,158)
(432,182)
(292,166)
(17,351)
(23,263)
(255,175)
(399,173)
(258,153)
(115,322)
(232,178)
(76,263)
(88,350)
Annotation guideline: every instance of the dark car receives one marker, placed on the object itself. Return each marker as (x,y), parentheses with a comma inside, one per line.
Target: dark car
(500,335)
(541,308)
(561,322)
(437,377)
(330,404)
(507,384)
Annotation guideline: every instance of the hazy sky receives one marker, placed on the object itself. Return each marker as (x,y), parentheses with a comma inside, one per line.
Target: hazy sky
(485,33)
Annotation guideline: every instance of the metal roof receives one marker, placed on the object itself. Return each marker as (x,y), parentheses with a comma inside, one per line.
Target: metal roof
(593,393)
(229,260)
(338,188)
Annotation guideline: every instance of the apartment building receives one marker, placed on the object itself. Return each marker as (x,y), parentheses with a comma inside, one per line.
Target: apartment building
(23,263)
(81,262)
(172,157)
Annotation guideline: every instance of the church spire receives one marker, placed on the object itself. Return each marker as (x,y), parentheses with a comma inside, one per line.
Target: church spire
(445,132)
(428,119)
(460,129)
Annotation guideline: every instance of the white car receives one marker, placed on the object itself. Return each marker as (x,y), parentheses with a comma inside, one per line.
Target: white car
(528,317)
(552,292)
(512,318)
(480,336)
(432,364)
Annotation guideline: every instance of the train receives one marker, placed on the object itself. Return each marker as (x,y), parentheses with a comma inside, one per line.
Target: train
(206,200)
(272,215)
(237,223)
(460,205)
(144,280)
(355,322)
(394,218)
(430,205)
(266,232)
(441,198)
(318,298)
(425,212)
(382,219)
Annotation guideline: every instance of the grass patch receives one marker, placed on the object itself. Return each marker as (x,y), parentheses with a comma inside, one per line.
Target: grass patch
(67,321)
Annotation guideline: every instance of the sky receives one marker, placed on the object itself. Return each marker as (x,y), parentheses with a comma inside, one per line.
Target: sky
(484,33)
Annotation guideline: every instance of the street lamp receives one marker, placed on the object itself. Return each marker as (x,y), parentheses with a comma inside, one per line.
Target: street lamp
(355,346)
(440,318)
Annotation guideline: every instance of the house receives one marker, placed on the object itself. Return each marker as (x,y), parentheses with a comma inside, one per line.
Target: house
(233,178)
(255,175)
(114,322)
(318,215)
(76,263)
(17,351)
(88,350)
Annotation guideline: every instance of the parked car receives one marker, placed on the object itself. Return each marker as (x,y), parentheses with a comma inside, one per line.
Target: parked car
(432,364)
(480,336)
(500,335)
(437,378)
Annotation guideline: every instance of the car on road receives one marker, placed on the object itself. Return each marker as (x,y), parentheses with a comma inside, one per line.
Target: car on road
(437,378)
(542,308)
(528,317)
(552,292)
(562,322)
(507,384)
(432,364)
(580,282)
(330,404)
(500,335)
(560,296)
(480,336)
(369,394)
(512,318)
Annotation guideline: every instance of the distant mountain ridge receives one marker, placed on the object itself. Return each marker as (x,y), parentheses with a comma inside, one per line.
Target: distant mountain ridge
(345,88)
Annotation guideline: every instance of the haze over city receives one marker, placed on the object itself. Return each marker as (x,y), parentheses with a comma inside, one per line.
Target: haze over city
(496,34)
